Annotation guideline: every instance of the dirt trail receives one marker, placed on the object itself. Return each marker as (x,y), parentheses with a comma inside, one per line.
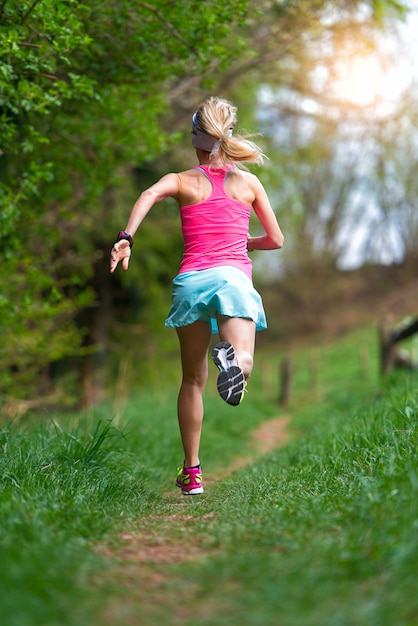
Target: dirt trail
(153,542)
(267,437)
(139,556)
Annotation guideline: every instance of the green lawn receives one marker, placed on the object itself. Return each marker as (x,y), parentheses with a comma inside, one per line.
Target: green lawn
(321,532)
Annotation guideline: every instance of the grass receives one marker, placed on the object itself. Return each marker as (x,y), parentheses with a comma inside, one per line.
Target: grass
(327,529)
(323,531)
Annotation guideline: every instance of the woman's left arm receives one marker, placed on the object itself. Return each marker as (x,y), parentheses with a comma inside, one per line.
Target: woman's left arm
(273,237)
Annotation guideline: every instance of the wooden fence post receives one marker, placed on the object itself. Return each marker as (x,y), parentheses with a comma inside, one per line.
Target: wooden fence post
(386,348)
(390,354)
(285,381)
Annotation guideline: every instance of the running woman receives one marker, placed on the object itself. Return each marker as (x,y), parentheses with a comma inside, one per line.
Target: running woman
(213,292)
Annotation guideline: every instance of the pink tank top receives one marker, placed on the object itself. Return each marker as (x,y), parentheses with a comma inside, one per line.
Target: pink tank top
(215,230)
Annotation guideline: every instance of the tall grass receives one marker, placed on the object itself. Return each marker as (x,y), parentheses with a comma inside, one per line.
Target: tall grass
(322,532)
(60,488)
(325,531)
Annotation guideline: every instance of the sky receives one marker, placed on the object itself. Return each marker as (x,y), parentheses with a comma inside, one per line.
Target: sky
(365,80)
(397,80)
(377,86)
(406,69)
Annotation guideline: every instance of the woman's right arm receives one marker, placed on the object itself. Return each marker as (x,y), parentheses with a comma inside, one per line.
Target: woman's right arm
(166,187)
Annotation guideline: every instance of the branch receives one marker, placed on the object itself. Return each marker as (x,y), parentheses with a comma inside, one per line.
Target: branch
(16,408)
(42,75)
(115,43)
(405,332)
(28,12)
(29,45)
(170,28)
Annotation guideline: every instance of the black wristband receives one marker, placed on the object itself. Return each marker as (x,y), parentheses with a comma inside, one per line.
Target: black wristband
(123,235)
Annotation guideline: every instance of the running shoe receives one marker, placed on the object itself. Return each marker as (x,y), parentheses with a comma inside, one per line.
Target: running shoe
(189,480)
(231,382)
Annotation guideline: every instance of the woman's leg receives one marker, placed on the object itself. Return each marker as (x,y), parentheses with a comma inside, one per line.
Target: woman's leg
(194,345)
(240,333)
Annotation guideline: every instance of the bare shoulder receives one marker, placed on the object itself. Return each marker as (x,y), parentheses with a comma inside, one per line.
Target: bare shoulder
(251,179)
(244,187)
(190,177)
(171,178)
(193,187)
(166,186)
(191,173)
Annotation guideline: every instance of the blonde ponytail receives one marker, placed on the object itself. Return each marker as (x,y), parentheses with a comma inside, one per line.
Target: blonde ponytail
(215,120)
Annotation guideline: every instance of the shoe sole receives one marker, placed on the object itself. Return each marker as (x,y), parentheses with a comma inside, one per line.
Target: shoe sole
(192,492)
(231,381)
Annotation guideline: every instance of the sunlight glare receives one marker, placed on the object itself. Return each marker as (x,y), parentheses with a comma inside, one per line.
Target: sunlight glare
(362,81)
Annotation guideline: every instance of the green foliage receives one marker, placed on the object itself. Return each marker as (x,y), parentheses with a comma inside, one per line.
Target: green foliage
(83,91)
(36,78)
(90,78)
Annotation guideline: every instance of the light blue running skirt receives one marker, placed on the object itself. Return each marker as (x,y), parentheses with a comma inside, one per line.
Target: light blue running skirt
(204,294)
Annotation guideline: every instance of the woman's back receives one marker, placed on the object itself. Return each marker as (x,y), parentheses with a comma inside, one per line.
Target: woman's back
(214,223)
(195,187)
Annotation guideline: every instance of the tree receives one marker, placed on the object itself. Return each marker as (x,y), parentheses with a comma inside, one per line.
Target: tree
(329,151)
(88,93)
(84,89)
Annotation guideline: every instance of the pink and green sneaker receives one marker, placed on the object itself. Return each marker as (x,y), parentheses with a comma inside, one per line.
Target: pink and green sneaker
(189,480)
